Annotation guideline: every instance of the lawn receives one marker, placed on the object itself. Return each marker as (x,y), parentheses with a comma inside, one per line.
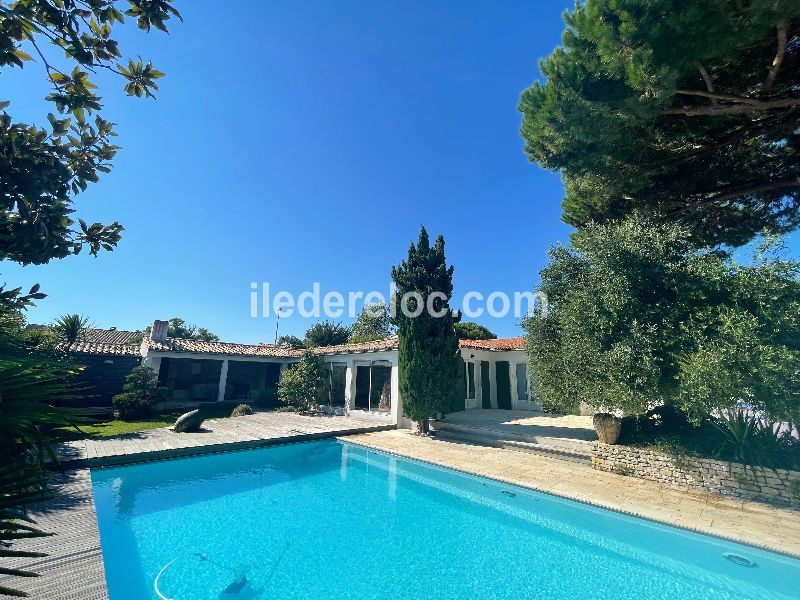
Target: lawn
(98,428)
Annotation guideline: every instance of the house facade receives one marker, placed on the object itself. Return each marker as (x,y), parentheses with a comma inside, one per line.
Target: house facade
(362,378)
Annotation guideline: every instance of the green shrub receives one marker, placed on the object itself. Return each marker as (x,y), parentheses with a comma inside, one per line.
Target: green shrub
(241,410)
(302,383)
(139,393)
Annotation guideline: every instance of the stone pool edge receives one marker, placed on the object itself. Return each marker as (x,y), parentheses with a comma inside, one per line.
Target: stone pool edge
(117,460)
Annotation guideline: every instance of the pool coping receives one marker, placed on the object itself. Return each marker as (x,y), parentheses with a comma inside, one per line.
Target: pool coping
(584,501)
(116,460)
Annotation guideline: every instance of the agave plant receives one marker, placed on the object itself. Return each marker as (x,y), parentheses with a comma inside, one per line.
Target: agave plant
(745,439)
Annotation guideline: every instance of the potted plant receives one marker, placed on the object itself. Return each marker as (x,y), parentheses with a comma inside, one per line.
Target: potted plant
(607,427)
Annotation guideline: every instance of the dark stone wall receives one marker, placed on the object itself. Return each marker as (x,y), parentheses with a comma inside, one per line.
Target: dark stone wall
(102,378)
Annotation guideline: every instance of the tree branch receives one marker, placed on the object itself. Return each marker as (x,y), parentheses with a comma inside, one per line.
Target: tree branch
(714,96)
(732,109)
(779,54)
(732,193)
(707,78)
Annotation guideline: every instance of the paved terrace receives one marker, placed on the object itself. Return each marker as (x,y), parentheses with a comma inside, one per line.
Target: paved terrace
(749,522)
(260,429)
(566,435)
(73,569)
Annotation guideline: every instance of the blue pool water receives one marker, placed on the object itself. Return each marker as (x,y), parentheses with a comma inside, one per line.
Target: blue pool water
(333,520)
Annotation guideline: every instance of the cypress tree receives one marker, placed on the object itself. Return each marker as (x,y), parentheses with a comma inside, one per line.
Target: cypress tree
(428,352)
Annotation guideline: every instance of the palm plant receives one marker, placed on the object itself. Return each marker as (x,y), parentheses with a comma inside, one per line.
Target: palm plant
(71,328)
(32,378)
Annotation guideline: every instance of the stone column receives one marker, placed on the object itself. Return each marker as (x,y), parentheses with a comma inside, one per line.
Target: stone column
(512,378)
(223,381)
(493,383)
(349,386)
(397,402)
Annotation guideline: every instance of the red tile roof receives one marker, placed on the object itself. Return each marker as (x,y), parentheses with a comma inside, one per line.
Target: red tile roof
(389,343)
(107,341)
(265,350)
(517,343)
(272,351)
(182,345)
(95,348)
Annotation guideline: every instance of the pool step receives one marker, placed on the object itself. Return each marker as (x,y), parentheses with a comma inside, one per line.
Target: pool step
(566,449)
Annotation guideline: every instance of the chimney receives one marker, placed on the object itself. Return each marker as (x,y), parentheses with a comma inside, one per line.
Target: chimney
(158,333)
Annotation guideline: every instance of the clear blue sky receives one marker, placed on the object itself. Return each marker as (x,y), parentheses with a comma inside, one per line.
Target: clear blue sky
(302,141)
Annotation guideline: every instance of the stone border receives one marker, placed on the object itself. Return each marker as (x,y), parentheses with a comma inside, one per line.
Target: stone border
(779,487)
(169,453)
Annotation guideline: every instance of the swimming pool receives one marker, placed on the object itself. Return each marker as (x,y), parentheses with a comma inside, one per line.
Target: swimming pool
(330,519)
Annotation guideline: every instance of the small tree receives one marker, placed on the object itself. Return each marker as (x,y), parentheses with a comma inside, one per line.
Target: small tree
(139,393)
(638,318)
(372,324)
(473,331)
(326,333)
(302,383)
(428,347)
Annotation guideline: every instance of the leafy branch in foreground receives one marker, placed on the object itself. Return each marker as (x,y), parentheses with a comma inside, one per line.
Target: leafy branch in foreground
(43,168)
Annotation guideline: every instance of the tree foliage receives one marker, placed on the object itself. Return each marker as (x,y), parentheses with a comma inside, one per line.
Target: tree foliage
(687,109)
(372,324)
(290,341)
(428,356)
(42,168)
(473,331)
(638,317)
(301,384)
(71,328)
(326,333)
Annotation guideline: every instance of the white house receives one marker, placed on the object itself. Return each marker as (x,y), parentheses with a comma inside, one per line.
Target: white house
(363,377)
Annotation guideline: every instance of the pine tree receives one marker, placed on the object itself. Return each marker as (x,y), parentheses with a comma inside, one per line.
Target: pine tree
(689,110)
(428,347)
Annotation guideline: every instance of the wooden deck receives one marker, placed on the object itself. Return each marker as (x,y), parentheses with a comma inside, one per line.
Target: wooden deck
(217,435)
(73,569)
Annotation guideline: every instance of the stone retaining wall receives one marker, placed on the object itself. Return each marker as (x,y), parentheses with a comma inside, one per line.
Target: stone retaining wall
(780,487)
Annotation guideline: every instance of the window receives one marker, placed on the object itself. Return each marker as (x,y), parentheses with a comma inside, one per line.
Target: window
(374,387)
(470,380)
(522,381)
(334,389)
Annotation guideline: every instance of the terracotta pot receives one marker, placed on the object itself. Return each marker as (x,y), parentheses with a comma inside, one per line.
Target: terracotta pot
(607,427)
